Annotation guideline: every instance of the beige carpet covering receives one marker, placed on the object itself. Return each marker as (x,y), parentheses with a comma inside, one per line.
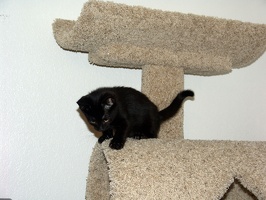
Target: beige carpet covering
(167,45)
(132,36)
(178,169)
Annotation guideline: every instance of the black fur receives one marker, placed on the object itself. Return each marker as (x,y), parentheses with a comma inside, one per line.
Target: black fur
(121,112)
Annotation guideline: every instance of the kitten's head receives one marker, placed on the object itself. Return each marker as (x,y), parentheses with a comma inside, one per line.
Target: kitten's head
(99,109)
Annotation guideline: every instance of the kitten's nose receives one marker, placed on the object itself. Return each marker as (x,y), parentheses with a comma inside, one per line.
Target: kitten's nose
(102,128)
(97,128)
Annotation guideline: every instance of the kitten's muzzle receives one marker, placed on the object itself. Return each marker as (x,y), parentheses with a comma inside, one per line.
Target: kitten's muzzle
(103,128)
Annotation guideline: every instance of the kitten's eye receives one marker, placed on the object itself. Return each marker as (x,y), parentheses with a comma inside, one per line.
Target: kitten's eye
(105,120)
(92,121)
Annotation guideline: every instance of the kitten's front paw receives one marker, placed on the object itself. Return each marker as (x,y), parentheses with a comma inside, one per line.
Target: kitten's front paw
(106,135)
(115,144)
(101,139)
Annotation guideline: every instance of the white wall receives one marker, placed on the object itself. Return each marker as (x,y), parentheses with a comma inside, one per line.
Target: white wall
(44,144)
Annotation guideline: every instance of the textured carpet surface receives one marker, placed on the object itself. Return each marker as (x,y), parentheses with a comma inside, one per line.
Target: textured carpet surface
(161,84)
(132,36)
(179,169)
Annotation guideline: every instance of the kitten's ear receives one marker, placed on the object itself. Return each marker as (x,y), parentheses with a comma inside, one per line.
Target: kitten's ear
(109,102)
(83,101)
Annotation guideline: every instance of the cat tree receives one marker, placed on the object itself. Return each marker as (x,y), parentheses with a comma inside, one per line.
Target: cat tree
(167,45)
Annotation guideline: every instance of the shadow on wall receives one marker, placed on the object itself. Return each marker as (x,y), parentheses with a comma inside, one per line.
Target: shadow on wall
(89,126)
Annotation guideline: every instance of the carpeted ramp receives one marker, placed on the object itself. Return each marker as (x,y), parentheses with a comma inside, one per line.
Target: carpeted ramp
(179,169)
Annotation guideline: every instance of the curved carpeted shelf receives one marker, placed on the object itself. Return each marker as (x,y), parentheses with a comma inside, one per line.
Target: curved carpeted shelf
(178,169)
(132,36)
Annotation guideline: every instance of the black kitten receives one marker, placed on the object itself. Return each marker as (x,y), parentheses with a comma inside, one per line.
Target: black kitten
(122,112)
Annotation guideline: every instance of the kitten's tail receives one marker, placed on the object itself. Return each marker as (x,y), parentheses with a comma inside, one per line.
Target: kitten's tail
(176,104)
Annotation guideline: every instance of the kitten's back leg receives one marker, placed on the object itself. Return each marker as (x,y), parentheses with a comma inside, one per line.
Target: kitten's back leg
(139,135)
(152,129)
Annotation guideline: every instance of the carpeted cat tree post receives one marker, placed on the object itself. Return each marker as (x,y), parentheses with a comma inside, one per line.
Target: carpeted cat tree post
(167,45)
